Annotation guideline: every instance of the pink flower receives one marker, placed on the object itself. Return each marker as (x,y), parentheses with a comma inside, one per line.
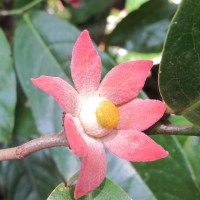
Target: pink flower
(107,114)
(74,3)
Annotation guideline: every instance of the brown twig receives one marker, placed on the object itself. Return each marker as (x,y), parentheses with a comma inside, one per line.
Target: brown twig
(43,142)
(59,139)
(172,129)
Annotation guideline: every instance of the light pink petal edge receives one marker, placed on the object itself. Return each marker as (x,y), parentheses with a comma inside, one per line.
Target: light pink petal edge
(85,65)
(124,81)
(74,137)
(65,95)
(134,146)
(93,167)
(140,114)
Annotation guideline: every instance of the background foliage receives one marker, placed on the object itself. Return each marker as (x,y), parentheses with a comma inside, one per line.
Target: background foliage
(37,37)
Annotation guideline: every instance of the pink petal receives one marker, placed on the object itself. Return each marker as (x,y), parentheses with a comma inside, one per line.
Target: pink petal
(93,168)
(85,65)
(65,95)
(124,82)
(134,146)
(74,137)
(140,114)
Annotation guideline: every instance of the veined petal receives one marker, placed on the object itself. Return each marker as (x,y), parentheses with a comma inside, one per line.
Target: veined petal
(85,65)
(134,146)
(65,95)
(140,114)
(93,168)
(124,81)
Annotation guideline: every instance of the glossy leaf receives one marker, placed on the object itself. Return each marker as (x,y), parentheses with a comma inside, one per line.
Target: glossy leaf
(171,178)
(180,66)
(107,190)
(144,30)
(7,90)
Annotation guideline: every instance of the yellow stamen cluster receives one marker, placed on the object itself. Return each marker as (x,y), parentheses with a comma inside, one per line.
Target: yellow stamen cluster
(107,114)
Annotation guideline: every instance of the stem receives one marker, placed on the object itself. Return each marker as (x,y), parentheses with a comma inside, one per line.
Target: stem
(171,129)
(20,10)
(59,139)
(43,142)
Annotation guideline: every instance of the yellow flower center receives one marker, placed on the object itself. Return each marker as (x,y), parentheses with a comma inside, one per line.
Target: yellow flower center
(107,114)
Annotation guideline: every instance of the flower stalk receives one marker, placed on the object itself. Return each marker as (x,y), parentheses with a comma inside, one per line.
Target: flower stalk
(171,129)
(59,139)
(43,142)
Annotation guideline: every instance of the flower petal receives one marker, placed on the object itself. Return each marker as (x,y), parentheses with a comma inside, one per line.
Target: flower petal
(85,65)
(93,168)
(65,95)
(134,146)
(140,114)
(124,82)
(74,137)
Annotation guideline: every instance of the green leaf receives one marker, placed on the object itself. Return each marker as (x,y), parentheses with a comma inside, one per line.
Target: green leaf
(180,66)
(66,161)
(144,30)
(87,9)
(179,120)
(24,122)
(107,190)
(192,150)
(124,174)
(33,177)
(7,90)
(171,178)
(134,5)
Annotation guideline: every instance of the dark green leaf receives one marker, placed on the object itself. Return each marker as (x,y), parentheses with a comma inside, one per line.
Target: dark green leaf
(107,190)
(180,66)
(123,174)
(171,178)
(24,122)
(33,177)
(7,90)
(87,9)
(144,30)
